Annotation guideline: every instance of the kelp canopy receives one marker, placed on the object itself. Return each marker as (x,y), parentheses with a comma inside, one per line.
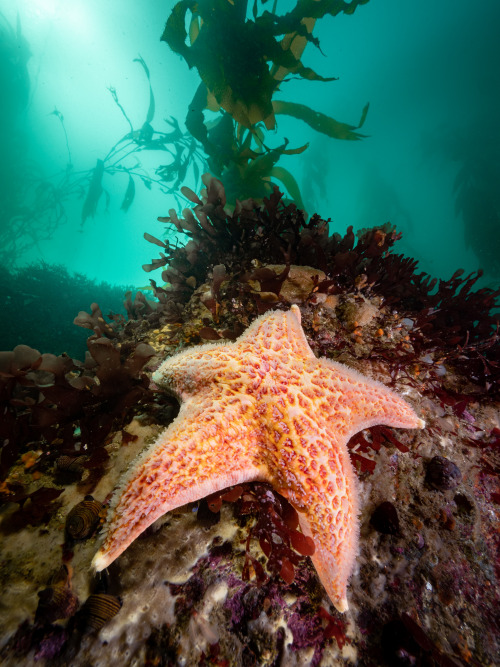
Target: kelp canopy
(242,62)
(243,54)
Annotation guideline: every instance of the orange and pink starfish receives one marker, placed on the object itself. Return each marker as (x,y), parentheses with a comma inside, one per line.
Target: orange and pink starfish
(261,408)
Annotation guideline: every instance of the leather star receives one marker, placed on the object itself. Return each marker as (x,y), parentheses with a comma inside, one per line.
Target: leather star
(261,408)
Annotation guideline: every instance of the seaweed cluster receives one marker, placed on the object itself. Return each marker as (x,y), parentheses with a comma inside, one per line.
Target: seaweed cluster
(62,410)
(275,529)
(360,302)
(234,246)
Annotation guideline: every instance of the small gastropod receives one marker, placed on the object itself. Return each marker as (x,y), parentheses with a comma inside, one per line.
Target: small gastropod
(57,601)
(83,519)
(99,608)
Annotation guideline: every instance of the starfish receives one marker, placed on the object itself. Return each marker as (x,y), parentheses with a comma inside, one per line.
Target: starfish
(262,408)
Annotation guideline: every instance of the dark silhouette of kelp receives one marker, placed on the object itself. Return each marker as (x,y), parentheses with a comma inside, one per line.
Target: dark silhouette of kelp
(14,78)
(32,206)
(475,149)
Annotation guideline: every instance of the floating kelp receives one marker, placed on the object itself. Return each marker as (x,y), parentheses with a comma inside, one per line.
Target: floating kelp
(236,74)
(321,122)
(241,77)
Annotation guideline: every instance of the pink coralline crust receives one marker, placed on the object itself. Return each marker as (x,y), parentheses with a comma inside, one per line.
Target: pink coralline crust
(261,408)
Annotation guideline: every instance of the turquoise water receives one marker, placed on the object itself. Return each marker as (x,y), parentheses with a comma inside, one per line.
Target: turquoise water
(429,71)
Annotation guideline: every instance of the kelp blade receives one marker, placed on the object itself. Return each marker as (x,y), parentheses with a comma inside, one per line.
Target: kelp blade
(320,121)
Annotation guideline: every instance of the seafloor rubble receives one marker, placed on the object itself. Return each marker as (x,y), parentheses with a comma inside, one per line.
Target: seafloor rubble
(222,582)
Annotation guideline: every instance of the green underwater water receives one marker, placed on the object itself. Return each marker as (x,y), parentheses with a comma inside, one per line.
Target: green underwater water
(428,161)
(387,117)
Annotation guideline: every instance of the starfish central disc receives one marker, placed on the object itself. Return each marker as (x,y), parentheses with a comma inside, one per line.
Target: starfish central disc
(261,408)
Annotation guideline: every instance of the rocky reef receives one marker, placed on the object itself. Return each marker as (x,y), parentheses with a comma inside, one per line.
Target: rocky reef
(223,581)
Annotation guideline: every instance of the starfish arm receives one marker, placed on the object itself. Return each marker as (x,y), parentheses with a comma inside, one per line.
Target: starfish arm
(335,524)
(363,401)
(315,474)
(331,519)
(197,455)
(278,332)
(188,372)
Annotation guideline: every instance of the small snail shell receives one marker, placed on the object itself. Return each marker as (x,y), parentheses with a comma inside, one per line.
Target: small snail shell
(98,609)
(442,474)
(70,464)
(82,520)
(385,519)
(55,602)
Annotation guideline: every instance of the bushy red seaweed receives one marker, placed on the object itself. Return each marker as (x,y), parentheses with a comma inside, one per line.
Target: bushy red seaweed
(275,529)
(64,407)
(445,315)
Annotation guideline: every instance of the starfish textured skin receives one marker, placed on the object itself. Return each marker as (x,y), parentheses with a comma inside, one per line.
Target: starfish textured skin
(262,408)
